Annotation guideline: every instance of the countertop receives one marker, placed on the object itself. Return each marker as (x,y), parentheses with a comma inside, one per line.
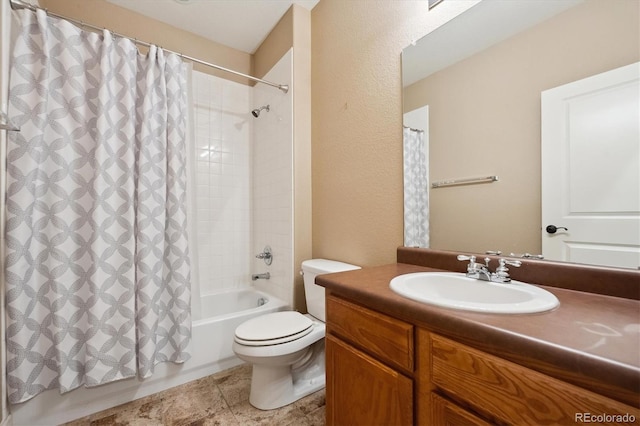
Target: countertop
(590,340)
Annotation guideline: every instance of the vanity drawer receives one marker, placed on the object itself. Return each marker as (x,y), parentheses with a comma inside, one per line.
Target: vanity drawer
(512,393)
(445,412)
(388,339)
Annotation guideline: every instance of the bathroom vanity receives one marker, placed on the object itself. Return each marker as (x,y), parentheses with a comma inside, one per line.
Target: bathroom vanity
(391,360)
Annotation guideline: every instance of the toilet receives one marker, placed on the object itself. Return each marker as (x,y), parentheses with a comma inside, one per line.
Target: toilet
(286,349)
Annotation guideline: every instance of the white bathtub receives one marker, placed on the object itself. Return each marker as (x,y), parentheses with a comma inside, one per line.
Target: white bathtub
(222,313)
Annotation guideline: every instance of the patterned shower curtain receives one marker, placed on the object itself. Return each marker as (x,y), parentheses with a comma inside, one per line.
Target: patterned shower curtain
(416,189)
(97,262)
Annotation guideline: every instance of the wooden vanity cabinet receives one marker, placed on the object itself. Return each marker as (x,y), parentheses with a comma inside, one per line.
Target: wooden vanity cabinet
(384,371)
(364,391)
(505,392)
(369,360)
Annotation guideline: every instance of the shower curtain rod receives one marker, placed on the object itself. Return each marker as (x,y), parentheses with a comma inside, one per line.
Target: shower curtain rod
(17,4)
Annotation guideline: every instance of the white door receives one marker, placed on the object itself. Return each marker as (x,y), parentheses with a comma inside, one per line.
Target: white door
(591,169)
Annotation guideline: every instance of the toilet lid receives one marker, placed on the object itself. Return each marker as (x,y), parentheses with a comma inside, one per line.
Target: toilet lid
(275,328)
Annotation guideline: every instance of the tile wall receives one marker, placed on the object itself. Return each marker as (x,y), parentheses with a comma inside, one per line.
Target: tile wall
(222,130)
(273,182)
(244,182)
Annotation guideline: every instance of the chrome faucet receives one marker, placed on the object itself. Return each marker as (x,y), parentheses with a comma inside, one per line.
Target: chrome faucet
(264,276)
(479,271)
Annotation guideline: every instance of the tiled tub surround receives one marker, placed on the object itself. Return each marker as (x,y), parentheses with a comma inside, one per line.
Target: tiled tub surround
(272,182)
(222,133)
(244,182)
(590,341)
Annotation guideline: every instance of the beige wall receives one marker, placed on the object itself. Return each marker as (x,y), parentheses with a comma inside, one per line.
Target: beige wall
(104,14)
(277,43)
(301,146)
(485,119)
(357,123)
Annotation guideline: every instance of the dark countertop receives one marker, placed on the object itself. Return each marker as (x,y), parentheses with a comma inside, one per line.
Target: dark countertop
(590,340)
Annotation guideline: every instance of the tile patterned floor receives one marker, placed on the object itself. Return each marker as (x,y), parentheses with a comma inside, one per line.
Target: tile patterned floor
(220,399)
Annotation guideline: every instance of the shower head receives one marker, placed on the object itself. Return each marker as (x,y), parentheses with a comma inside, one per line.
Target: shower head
(256,112)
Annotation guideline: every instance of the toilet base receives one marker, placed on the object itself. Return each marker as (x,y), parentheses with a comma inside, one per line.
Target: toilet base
(274,387)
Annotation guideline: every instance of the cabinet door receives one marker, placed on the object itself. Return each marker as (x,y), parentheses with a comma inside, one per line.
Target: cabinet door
(363,391)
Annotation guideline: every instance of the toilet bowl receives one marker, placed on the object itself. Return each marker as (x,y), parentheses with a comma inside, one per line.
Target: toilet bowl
(286,349)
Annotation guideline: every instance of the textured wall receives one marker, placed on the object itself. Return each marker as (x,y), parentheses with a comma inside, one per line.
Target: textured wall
(357,122)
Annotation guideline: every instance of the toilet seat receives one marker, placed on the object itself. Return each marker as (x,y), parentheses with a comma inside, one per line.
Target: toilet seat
(273,329)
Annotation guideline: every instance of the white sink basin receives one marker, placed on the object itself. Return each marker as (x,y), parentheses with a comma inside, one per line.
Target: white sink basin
(455,290)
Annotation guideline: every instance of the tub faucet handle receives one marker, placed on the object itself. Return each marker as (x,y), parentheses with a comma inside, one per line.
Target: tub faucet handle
(266,255)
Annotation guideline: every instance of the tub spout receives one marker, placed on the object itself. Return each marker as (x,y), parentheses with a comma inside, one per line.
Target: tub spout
(264,276)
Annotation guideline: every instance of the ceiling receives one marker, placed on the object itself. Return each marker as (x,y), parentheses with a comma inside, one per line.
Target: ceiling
(240,24)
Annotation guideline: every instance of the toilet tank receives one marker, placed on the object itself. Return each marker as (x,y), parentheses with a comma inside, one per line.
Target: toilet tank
(314,294)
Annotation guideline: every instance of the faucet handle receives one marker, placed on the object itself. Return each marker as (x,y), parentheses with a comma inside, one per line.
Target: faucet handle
(266,255)
(502,272)
(515,263)
(472,266)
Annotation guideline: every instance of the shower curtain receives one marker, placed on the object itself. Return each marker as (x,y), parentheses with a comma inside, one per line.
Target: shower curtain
(416,189)
(97,262)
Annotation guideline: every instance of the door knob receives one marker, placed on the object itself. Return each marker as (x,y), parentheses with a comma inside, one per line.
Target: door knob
(551,229)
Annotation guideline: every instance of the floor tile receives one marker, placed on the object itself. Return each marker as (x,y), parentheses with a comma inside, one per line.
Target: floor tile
(225,418)
(235,384)
(312,402)
(317,417)
(221,399)
(249,415)
(193,401)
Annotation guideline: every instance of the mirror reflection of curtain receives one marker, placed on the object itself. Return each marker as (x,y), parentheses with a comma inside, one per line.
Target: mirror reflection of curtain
(416,189)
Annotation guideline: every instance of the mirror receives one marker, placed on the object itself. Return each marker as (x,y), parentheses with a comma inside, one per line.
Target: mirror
(474,85)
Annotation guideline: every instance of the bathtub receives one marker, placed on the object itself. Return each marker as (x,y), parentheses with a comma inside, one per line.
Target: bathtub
(221,314)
